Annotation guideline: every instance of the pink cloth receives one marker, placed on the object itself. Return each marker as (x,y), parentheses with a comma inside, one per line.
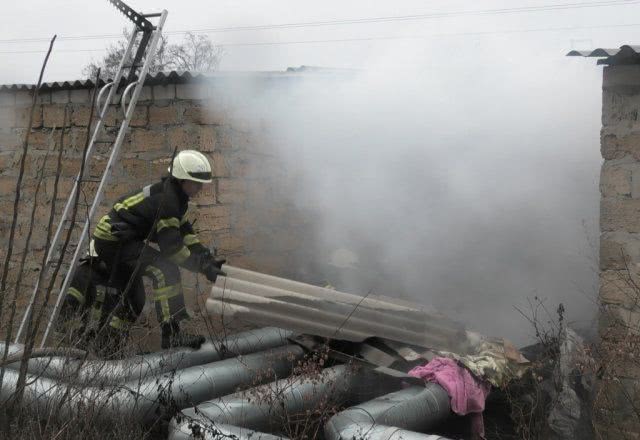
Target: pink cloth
(467,393)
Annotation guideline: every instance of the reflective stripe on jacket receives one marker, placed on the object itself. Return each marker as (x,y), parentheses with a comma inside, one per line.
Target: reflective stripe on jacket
(157,212)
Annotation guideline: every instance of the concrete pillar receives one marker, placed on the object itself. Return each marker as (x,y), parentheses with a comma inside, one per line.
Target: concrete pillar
(618,392)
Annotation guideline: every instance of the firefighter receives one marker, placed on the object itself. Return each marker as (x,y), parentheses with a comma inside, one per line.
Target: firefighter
(155,214)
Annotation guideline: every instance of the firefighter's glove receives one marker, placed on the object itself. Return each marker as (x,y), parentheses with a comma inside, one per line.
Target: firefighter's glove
(211,270)
(218,262)
(207,255)
(124,231)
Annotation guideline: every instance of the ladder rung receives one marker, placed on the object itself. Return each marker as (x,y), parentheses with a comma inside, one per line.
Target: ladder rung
(155,14)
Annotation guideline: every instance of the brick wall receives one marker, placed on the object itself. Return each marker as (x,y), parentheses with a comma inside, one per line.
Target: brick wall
(618,393)
(243,213)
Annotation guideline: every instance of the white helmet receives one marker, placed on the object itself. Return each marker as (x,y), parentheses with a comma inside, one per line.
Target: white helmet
(191,165)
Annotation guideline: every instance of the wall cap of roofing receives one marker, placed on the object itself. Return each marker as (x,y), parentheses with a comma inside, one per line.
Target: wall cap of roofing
(182,77)
(624,55)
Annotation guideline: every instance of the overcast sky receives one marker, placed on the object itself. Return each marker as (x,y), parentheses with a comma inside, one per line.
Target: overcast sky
(41,19)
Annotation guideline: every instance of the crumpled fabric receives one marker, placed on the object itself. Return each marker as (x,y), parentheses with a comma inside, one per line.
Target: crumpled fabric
(496,361)
(486,365)
(468,393)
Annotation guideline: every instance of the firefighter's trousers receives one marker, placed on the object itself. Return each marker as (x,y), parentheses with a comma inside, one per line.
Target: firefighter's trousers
(127,262)
(87,304)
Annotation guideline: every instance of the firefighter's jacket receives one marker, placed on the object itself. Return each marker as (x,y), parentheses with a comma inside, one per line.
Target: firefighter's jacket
(156,213)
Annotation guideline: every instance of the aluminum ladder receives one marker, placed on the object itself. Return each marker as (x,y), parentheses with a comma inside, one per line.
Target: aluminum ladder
(150,35)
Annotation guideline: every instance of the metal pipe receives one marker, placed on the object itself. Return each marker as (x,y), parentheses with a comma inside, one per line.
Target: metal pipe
(220,432)
(267,407)
(382,432)
(104,88)
(393,416)
(144,400)
(100,372)
(124,96)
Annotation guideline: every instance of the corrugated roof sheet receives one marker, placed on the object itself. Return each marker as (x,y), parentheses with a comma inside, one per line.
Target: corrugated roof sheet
(382,328)
(259,298)
(626,54)
(180,77)
(158,78)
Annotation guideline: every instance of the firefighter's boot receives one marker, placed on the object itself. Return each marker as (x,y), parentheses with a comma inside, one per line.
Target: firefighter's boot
(173,337)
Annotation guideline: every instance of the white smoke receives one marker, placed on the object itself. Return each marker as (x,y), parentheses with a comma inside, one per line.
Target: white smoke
(464,178)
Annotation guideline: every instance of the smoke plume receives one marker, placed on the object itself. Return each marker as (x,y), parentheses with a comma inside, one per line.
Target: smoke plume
(463,178)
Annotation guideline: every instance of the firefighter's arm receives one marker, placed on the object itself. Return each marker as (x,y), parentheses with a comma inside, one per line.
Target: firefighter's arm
(190,238)
(172,243)
(170,240)
(209,265)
